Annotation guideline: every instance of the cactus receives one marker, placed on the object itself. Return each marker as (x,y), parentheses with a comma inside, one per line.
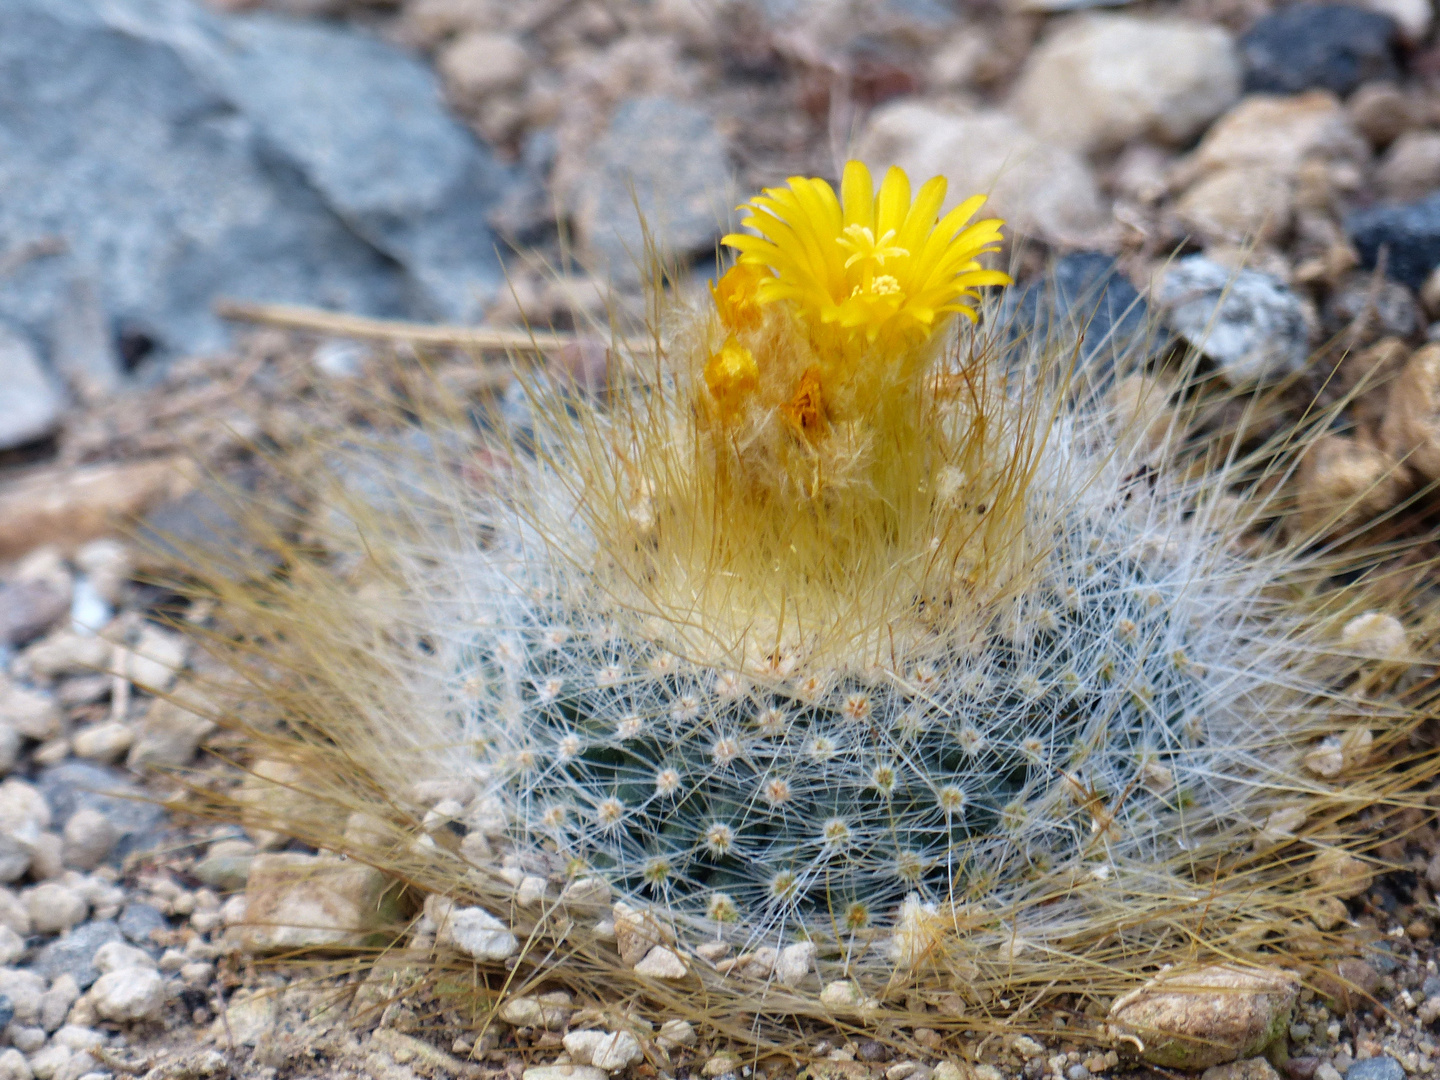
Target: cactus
(832,619)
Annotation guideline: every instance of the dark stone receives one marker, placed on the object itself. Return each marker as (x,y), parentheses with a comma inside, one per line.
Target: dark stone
(79,785)
(1318,46)
(1372,309)
(174,155)
(28,609)
(871,1050)
(1381,959)
(1383,1067)
(7,1011)
(139,921)
(72,953)
(1084,295)
(1301,1068)
(1407,233)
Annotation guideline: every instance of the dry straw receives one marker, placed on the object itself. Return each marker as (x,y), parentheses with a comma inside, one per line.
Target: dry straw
(838,631)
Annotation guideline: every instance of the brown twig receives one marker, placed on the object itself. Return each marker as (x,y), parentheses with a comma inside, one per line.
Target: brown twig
(478,338)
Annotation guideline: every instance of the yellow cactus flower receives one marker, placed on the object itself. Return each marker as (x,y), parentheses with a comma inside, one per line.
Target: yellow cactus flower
(735,296)
(731,373)
(870,263)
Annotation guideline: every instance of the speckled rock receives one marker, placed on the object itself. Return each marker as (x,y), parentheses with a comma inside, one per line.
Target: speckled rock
(1198,1018)
(1249,323)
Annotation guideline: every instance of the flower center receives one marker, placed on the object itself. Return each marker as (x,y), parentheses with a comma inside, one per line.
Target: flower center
(884,285)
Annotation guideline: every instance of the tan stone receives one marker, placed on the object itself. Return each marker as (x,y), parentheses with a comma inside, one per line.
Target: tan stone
(1277,133)
(1237,205)
(168,736)
(1411,428)
(70,506)
(1040,189)
(1256,1068)
(637,932)
(1411,167)
(1100,80)
(478,64)
(1381,112)
(304,901)
(1193,1019)
(1377,635)
(550,1011)
(32,713)
(275,798)
(1345,484)
(662,963)
(1341,874)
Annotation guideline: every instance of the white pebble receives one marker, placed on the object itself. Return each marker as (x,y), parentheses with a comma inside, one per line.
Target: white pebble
(27,1038)
(616,1051)
(13,1066)
(674,1033)
(79,1038)
(24,989)
(48,1060)
(794,963)
(55,1003)
(472,931)
(105,742)
(1377,636)
(129,994)
(197,973)
(580,1045)
(89,838)
(12,946)
(55,908)
(116,955)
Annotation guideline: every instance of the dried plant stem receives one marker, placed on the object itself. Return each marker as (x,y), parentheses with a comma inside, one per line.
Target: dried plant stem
(477,338)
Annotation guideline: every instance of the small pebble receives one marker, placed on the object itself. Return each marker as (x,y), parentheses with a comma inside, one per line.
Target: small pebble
(1383,1067)
(55,908)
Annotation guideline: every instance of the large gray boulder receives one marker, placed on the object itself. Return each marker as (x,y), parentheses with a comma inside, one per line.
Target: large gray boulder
(179,156)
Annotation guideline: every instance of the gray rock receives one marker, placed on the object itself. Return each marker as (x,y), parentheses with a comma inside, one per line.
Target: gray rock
(666,160)
(82,348)
(224,873)
(75,785)
(1308,46)
(31,404)
(29,608)
(1383,1067)
(1249,323)
(182,155)
(7,1011)
(366,125)
(74,953)
(138,921)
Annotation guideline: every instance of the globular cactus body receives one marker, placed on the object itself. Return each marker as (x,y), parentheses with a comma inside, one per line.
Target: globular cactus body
(826,622)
